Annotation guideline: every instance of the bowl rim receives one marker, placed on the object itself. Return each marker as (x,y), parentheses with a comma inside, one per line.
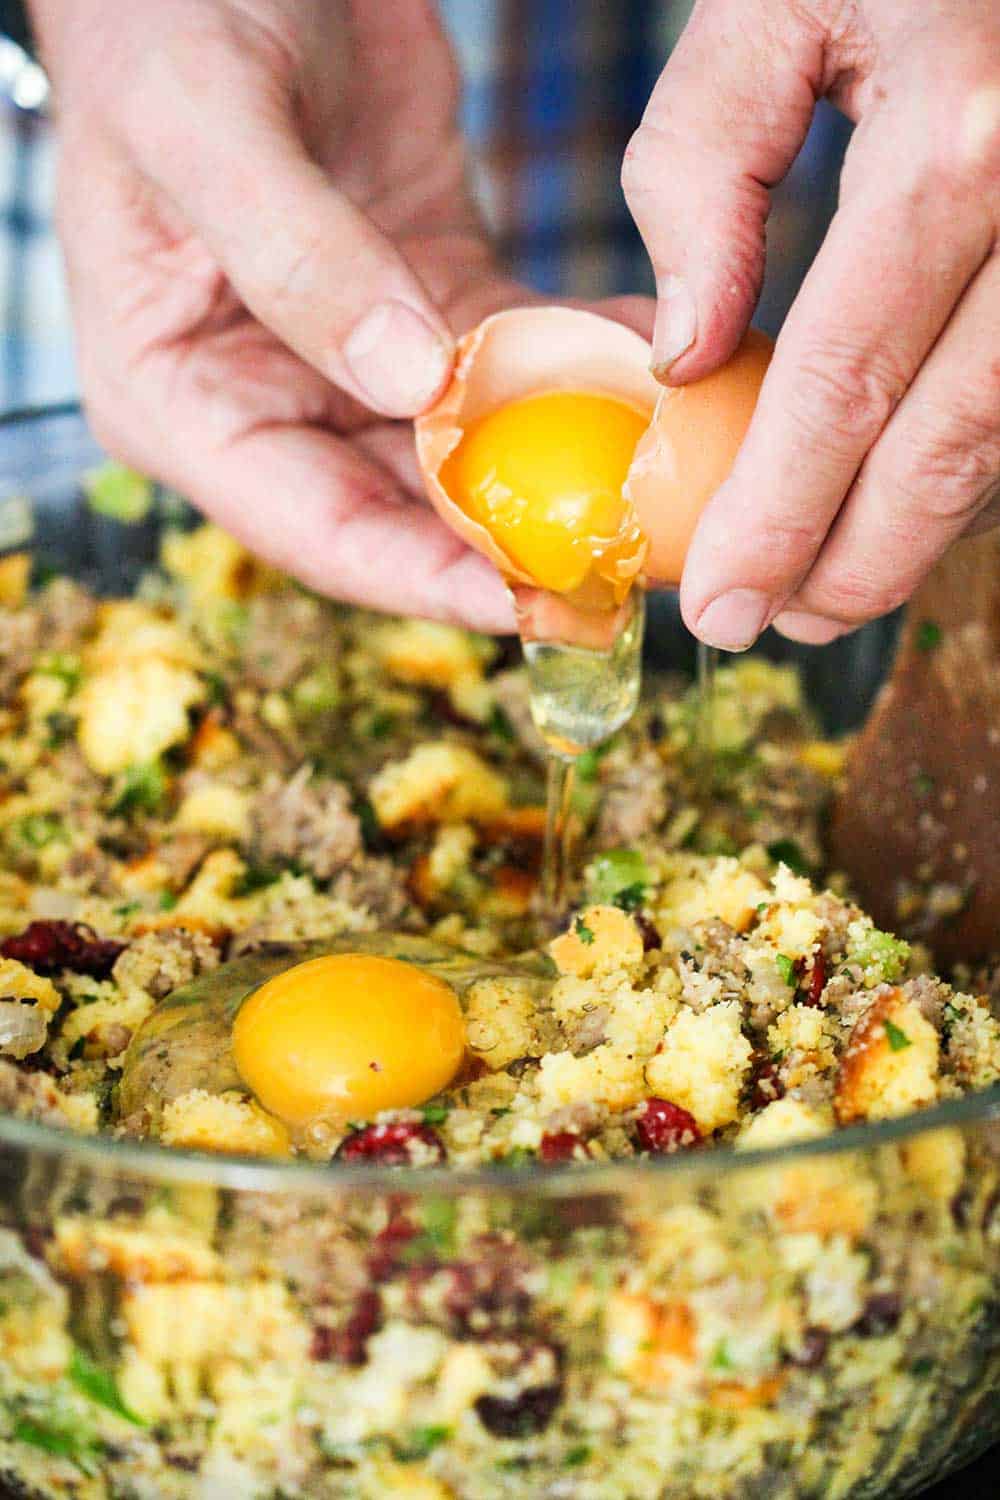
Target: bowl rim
(164,1164)
(160,1164)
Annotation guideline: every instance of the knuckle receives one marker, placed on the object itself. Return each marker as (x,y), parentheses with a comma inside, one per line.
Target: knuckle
(843,397)
(950,468)
(642,163)
(855,593)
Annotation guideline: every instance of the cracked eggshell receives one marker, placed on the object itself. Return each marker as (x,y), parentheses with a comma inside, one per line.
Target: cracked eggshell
(522,352)
(688,451)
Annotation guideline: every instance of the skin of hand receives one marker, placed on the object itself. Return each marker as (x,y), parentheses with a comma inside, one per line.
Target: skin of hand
(270,247)
(876,440)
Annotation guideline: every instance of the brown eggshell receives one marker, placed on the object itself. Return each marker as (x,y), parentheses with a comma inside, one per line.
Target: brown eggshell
(688,451)
(519,353)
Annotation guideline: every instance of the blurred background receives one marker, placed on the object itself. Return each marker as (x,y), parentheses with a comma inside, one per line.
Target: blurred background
(553,90)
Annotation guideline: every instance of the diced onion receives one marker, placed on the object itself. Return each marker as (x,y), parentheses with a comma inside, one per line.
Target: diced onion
(22,1028)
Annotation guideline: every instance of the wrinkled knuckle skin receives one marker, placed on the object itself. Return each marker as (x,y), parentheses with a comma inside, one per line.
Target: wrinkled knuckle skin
(842,399)
(951,469)
(641,166)
(854,595)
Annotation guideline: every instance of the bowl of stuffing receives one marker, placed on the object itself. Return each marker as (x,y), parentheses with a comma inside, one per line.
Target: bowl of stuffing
(695,1195)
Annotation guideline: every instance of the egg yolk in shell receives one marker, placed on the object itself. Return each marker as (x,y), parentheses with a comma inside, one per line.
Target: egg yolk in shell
(344,1036)
(544,475)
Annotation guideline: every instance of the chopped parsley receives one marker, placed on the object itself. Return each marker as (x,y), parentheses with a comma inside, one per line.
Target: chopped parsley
(256,877)
(419,1442)
(64,665)
(381,724)
(435,1114)
(59,1438)
(167,901)
(140,788)
(721,1357)
(583,932)
(928,636)
(923,784)
(620,876)
(499,724)
(786,967)
(898,1040)
(577,1456)
(787,852)
(100,1386)
(38,830)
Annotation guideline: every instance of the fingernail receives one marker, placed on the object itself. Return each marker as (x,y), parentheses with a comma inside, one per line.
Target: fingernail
(734,620)
(397,359)
(676,324)
(809,629)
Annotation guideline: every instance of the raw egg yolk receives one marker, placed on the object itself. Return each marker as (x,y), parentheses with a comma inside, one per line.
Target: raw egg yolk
(544,476)
(347,1035)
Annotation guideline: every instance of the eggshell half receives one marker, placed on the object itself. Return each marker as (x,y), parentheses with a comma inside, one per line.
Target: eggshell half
(688,451)
(517,353)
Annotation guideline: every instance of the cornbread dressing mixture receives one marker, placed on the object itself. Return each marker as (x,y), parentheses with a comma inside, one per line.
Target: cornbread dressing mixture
(225,768)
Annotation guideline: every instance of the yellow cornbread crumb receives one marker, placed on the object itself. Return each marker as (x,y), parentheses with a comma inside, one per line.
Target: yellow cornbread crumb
(703,889)
(440,783)
(891,1062)
(199,1121)
(702,1065)
(134,710)
(601,940)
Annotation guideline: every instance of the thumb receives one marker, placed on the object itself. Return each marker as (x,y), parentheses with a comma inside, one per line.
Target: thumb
(723,125)
(306,262)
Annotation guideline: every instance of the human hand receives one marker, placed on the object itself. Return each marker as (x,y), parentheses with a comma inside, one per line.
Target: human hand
(269,244)
(876,440)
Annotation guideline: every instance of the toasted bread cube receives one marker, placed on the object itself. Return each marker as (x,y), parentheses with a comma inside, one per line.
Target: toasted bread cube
(437,783)
(890,1065)
(599,941)
(703,1063)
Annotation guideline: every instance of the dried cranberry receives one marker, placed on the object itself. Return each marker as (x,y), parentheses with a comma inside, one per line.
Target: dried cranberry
(387,1248)
(522,1415)
(650,937)
(489,1293)
(813,1349)
(48,947)
(348,1344)
(559,1145)
(390,1145)
(663,1127)
(817,979)
(881,1315)
(765,1082)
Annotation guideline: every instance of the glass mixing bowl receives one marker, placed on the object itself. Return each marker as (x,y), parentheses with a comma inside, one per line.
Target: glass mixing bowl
(292,1320)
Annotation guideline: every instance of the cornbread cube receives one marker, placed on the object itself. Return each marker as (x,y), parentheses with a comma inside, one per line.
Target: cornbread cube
(703,1063)
(781,1123)
(437,783)
(707,888)
(18,982)
(215,809)
(199,1321)
(130,630)
(936,1159)
(214,566)
(500,1022)
(605,1076)
(15,571)
(891,1062)
(465,1376)
(826,757)
(133,711)
(423,651)
(199,1121)
(135,1254)
(652,1343)
(98,1017)
(600,940)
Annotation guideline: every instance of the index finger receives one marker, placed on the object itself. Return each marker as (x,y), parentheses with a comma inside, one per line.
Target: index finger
(866,316)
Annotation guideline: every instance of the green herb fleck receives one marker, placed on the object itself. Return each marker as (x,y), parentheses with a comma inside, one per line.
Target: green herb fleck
(60,726)
(419,1442)
(100,1386)
(140,788)
(620,876)
(923,784)
(119,493)
(256,877)
(928,636)
(518,1156)
(923,1366)
(381,724)
(218,692)
(577,1456)
(499,724)
(786,967)
(128,909)
(316,693)
(721,1357)
(64,665)
(589,763)
(583,932)
(787,852)
(60,1439)
(898,1040)
(168,900)
(38,830)
(435,1114)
